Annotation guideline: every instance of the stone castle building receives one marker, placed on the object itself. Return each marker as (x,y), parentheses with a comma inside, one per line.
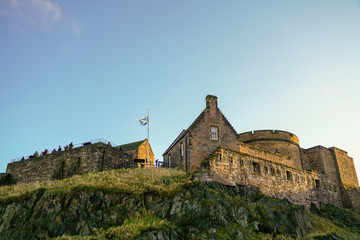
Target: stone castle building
(269,159)
(87,158)
(138,150)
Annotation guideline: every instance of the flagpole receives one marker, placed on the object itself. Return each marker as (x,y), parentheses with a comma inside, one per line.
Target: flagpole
(147,149)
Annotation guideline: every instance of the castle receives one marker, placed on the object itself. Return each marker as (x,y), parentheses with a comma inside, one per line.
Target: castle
(93,156)
(269,159)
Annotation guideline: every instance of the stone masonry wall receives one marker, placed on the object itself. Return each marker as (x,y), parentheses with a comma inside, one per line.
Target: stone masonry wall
(264,154)
(311,159)
(350,185)
(90,158)
(329,166)
(346,168)
(175,157)
(200,143)
(142,152)
(273,179)
(277,141)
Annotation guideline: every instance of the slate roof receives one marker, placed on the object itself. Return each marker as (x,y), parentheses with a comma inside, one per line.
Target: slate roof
(131,146)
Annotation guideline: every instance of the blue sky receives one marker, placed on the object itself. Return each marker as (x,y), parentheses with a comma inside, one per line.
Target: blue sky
(81,70)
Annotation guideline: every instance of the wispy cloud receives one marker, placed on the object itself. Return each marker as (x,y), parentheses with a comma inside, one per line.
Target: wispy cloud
(44,14)
(77,27)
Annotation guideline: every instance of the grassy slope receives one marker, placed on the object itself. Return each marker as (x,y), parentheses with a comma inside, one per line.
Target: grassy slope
(135,181)
(164,182)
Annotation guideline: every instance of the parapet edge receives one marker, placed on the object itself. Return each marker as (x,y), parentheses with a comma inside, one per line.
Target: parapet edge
(270,134)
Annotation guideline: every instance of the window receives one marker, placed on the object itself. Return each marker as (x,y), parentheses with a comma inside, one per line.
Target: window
(241,163)
(169,159)
(256,167)
(272,171)
(265,170)
(317,183)
(289,175)
(181,149)
(214,133)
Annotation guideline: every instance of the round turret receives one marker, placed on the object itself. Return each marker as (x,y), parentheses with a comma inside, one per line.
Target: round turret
(275,140)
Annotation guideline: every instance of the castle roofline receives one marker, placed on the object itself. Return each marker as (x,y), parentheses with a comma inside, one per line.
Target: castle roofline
(181,135)
(131,146)
(268,135)
(330,148)
(211,103)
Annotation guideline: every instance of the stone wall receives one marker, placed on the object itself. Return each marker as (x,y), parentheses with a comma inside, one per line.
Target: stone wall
(200,143)
(59,165)
(264,154)
(273,179)
(142,152)
(174,156)
(348,178)
(346,168)
(311,159)
(277,141)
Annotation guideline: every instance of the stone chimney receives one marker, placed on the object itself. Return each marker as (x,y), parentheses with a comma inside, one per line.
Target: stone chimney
(211,102)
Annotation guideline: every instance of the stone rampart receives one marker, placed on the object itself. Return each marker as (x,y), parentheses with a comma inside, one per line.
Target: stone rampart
(264,154)
(90,158)
(268,134)
(274,140)
(273,179)
(346,168)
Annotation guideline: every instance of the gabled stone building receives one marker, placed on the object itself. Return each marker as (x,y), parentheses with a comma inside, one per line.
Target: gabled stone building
(210,130)
(269,159)
(138,150)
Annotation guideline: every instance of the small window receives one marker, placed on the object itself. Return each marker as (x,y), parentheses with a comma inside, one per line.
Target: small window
(241,163)
(256,167)
(265,170)
(272,171)
(181,149)
(278,172)
(289,175)
(317,183)
(169,159)
(214,133)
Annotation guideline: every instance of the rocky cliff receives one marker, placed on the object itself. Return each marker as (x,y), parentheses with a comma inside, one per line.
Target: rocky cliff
(160,204)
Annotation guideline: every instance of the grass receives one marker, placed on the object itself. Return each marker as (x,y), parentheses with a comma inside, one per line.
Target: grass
(143,220)
(135,181)
(322,227)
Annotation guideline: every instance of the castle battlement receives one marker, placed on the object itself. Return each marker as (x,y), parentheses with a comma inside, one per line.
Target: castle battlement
(272,135)
(330,171)
(272,178)
(88,158)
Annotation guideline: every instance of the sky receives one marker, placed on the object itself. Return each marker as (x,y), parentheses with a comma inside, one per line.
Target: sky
(74,71)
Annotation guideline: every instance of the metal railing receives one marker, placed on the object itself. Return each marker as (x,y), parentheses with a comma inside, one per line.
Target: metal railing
(165,165)
(77,145)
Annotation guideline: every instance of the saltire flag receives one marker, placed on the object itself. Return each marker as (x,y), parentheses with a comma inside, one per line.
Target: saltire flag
(145,120)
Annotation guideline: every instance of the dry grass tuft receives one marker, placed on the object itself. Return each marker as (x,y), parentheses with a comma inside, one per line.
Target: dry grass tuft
(163,181)
(322,227)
